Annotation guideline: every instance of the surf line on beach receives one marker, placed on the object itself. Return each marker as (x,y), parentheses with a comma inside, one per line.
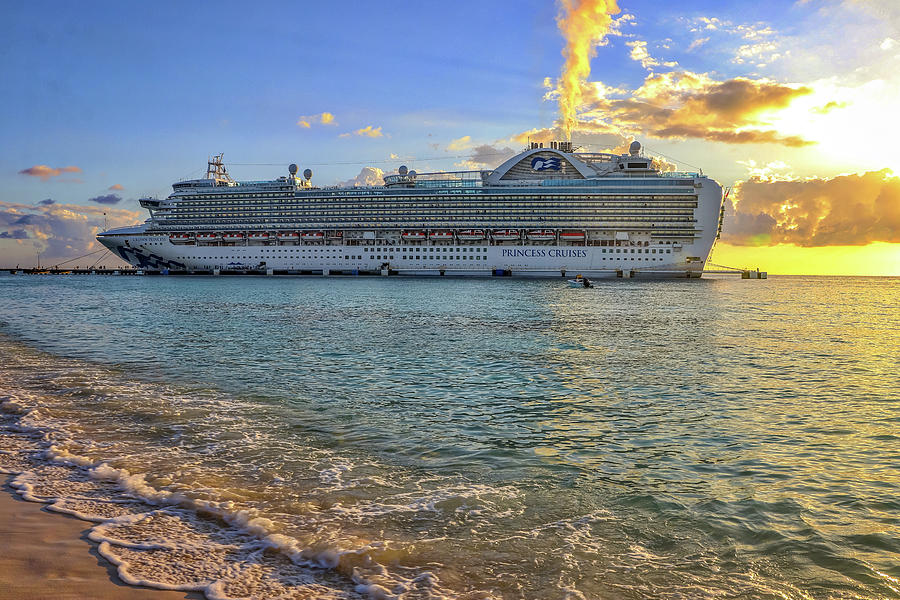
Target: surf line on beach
(164,540)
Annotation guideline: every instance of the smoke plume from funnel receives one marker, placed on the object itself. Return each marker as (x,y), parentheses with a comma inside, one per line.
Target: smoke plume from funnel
(584,24)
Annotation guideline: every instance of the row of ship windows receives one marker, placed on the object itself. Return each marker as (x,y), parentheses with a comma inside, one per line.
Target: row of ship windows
(402,257)
(427,222)
(664,185)
(633,210)
(407,217)
(382,218)
(460,254)
(330,251)
(437,201)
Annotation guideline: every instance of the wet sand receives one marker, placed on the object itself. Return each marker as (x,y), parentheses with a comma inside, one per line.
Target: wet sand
(48,555)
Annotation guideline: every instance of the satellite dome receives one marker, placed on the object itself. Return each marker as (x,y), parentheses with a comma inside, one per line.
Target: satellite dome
(403,170)
(412,173)
(293,169)
(634,148)
(307,174)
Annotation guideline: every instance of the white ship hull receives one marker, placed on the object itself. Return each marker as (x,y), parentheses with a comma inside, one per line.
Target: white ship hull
(155,252)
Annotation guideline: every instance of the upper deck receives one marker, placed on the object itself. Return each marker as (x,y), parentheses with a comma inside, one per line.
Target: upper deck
(538,188)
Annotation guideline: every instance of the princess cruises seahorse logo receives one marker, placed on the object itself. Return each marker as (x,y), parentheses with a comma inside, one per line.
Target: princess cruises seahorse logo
(539,163)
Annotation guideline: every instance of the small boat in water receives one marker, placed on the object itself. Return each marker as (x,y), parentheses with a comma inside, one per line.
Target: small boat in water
(580,281)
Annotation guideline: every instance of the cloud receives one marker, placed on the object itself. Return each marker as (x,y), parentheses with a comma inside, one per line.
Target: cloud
(848,210)
(682,104)
(108,199)
(888,43)
(323,118)
(751,31)
(486,155)
(45,173)
(708,23)
(772,171)
(765,52)
(368,176)
(639,53)
(116,187)
(829,107)
(697,43)
(460,143)
(58,231)
(369,131)
(47,202)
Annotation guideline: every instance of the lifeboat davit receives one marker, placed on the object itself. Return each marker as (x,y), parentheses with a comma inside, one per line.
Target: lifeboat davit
(312,236)
(182,238)
(209,237)
(441,236)
(258,236)
(572,236)
(232,237)
(288,236)
(413,236)
(470,234)
(505,235)
(541,235)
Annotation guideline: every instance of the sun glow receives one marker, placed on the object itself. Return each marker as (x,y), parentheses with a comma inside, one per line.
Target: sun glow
(854,127)
(879,258)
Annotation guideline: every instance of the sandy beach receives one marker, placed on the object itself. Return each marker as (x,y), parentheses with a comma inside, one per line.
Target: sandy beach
(48,555)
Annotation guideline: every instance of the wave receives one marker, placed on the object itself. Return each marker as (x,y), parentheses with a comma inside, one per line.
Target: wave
(169,540)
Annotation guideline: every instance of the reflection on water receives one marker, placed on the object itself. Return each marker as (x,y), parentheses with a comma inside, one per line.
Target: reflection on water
(640,439)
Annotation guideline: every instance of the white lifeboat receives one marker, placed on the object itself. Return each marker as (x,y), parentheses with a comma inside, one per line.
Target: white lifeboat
(413,236)
(232,237)
(441,236)
(470,234)
(571,236)
(312,236)
(209,237)
(541,235)
(288,236)
(182,238)
(258,236)
(505,235)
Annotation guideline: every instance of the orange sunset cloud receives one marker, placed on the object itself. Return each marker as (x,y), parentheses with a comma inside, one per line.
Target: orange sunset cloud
(45,173)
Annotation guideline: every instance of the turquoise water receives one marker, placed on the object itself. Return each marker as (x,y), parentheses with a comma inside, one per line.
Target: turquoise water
(422,438)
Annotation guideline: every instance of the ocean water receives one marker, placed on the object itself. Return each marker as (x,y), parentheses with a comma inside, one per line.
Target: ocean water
(438,438)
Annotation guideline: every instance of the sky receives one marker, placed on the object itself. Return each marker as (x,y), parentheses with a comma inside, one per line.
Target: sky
(791,105)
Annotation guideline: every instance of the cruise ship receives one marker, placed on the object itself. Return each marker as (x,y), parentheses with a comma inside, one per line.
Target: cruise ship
(547,212)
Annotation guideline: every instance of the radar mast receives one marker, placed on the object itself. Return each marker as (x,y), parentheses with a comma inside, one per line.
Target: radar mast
(215,169)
